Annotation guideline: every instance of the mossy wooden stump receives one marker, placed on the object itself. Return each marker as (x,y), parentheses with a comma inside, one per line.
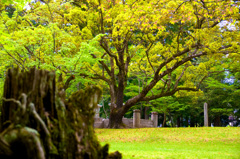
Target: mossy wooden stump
(37,124)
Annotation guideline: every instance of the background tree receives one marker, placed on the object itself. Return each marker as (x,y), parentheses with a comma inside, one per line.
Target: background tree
(163,38)
(130,38)
(221,99)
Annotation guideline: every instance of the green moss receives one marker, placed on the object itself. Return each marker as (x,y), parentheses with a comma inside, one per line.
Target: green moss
(80,115)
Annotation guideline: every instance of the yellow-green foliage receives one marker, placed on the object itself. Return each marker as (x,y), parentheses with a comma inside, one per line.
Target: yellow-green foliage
(59,35)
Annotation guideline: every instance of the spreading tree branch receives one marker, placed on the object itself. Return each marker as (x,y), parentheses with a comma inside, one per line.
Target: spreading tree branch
(96,76)
(104,45)
(67,83)
(179,78)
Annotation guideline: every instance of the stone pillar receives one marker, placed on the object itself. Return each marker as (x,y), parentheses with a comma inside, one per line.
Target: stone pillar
(154,118)
(205,114)
(97,110)
(136,118)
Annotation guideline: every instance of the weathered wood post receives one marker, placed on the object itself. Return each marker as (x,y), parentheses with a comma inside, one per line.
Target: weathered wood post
(136,118)
(154,118)
(205,114)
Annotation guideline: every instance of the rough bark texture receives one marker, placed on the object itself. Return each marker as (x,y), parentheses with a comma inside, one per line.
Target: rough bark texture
(178,121)
(38,85)
(37,123)
(115,119)
(217,121)
(146,116)
(164,119)
(192,121)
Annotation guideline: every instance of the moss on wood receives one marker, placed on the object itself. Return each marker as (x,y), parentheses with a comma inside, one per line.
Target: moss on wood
(36,121)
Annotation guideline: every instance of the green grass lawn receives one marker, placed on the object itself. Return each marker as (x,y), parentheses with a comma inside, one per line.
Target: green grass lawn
(169,143)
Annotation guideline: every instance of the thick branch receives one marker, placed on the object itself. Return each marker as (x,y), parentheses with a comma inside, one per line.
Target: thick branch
(67,83)
(103,64)
(168,93)
(175,89)
(179,78)
(127,64)
(106,48)
(96,76)
(179,63)
(147,51)
(18,62)
(173,57)
(157,77)
(29,51)
(180,6)
(101,18)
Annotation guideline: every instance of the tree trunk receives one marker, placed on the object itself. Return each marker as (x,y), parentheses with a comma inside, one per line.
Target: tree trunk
(209,121)
(187,119)
(170,117)
(115,119)
(217,121)
(178,122)
(164,120)
(192,121)
(181,121)
(37,123)
(146,116)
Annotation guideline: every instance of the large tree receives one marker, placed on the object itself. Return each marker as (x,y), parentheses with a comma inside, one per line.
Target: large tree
(161,39)
(143,36)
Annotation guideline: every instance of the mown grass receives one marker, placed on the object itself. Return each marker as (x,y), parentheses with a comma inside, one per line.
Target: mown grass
(173,143)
